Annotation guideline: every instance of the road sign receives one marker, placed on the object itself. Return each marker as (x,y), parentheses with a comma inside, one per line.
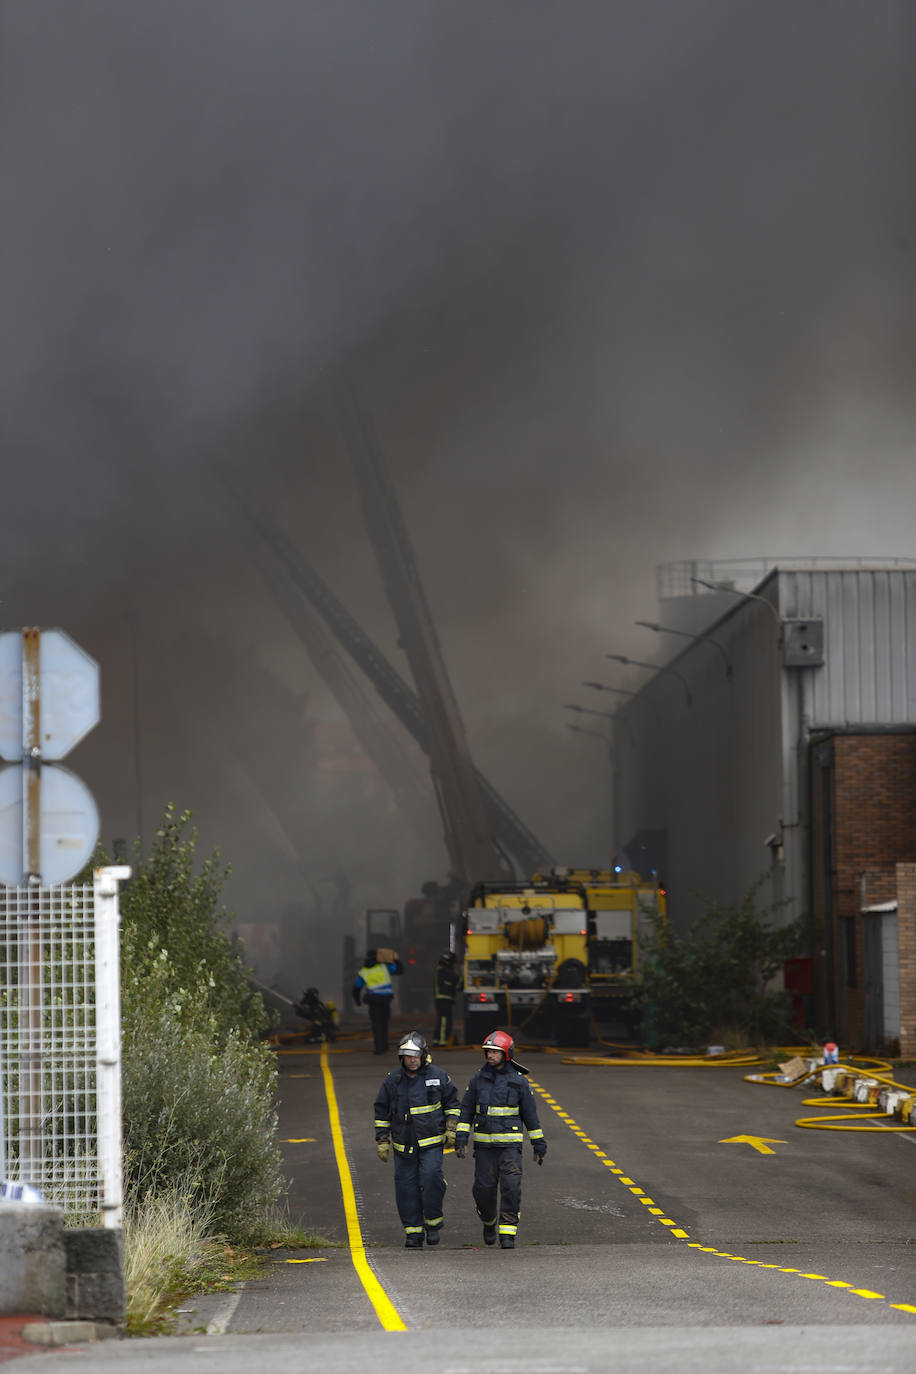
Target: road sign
(69,825)
(68,682)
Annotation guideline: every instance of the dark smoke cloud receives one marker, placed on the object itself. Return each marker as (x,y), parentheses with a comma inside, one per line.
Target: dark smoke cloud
(621,284)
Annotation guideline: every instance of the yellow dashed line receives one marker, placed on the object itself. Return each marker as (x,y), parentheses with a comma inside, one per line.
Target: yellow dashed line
(675,1230)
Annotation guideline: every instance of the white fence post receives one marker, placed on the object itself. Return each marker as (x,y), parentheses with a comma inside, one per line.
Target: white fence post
(108,1040)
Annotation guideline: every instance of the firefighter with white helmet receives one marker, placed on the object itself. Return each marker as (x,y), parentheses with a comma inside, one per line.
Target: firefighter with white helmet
(497,1104)
(416,1111)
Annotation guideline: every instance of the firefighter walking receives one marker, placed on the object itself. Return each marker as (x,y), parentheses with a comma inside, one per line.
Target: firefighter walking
(416,1111)
(446,983)
(498,1102)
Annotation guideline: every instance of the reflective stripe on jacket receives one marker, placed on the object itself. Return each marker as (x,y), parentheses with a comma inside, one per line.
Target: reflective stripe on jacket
(446,982)
(414,1110)
(498,1102)
(376,979)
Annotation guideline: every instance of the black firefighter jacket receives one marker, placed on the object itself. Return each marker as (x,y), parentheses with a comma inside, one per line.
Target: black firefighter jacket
(446,983)
(497,1103)
(413,1111)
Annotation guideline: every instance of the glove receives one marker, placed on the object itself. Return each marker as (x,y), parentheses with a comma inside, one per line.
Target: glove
(539,1155)
(450,1137)
(383,1150)
(460,1150)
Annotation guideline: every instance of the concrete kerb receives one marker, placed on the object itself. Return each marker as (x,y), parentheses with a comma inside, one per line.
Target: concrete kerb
(58,1333)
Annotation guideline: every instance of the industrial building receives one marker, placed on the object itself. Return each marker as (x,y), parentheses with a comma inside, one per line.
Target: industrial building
(780,744)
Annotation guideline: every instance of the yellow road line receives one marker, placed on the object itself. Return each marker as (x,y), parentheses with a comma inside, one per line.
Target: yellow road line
(384,1307)
(658,1212)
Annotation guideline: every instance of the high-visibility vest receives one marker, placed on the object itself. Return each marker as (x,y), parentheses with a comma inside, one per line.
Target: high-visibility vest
(377,980)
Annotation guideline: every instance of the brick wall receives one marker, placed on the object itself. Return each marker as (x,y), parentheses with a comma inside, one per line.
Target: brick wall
(906,945)
(874,832)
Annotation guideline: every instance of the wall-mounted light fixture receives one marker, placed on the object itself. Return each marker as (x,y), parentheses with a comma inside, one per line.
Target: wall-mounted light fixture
(670,630)
(655,668)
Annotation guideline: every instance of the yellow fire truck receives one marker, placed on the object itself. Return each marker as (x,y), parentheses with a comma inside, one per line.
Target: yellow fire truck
(557,955)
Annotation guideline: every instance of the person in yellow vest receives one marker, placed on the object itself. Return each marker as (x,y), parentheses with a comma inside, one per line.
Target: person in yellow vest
(372,986)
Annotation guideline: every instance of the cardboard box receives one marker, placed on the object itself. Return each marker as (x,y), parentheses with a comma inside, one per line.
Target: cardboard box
(386,956)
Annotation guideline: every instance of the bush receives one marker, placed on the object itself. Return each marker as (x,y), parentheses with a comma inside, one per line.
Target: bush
(715,979)
(198,1086)
(167,908)
(202,1112)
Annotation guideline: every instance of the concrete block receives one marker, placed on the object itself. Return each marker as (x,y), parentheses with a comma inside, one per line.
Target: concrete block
(33,1267)
(95,1274)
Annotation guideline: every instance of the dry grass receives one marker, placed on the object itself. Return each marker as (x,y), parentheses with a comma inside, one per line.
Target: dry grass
(168,1246)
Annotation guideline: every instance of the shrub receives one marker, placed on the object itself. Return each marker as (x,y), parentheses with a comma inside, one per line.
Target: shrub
(197,1084)
(200,1110)
(169,911)
(716,977)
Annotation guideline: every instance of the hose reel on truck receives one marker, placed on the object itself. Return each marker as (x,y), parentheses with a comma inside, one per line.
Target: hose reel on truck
(517,939)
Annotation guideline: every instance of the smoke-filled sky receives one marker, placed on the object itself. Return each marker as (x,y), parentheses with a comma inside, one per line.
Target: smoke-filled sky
(620,283)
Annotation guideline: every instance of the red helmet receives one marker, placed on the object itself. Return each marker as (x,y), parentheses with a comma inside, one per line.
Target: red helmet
(499,1040)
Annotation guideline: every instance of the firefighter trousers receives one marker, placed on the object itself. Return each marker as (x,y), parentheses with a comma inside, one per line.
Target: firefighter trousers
(419,1189)
(444,1008)
(498,1186)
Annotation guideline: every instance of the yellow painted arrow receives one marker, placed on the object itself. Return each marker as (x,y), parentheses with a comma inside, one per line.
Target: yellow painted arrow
(760,1143)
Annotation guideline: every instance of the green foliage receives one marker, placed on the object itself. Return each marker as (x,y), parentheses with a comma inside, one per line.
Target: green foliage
(199,1110)
(198,1085)
(172,915)
(715,979)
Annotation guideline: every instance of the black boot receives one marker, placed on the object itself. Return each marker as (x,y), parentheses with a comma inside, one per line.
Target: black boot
(413,1243)
(507,1242)
(432,1236)
(489,1234)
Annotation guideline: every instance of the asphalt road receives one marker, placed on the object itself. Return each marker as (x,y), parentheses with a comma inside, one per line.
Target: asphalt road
(650,1239)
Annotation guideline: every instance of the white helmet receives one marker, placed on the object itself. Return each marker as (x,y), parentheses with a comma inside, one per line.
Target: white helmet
(413,1043)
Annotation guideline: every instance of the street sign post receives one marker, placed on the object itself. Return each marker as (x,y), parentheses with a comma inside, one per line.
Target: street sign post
(49,700)
(68,683)
(67,831)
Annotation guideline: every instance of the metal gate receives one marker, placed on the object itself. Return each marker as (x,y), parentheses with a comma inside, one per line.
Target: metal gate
(60,1044)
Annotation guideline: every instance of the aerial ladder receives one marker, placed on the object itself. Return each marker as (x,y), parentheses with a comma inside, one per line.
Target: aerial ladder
(473,853)
(392,760)
(303,595)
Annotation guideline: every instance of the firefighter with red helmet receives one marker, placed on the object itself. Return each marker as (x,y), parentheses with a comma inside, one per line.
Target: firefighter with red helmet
(416,1111)
(497,1104)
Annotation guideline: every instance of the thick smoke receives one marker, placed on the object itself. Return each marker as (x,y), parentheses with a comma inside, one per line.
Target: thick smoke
(620,284)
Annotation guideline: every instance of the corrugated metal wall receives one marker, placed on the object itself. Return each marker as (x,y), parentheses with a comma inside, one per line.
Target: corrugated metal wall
(869,672)
(726,772)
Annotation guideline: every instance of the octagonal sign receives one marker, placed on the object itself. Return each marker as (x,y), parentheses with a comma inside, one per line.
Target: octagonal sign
(69,694)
